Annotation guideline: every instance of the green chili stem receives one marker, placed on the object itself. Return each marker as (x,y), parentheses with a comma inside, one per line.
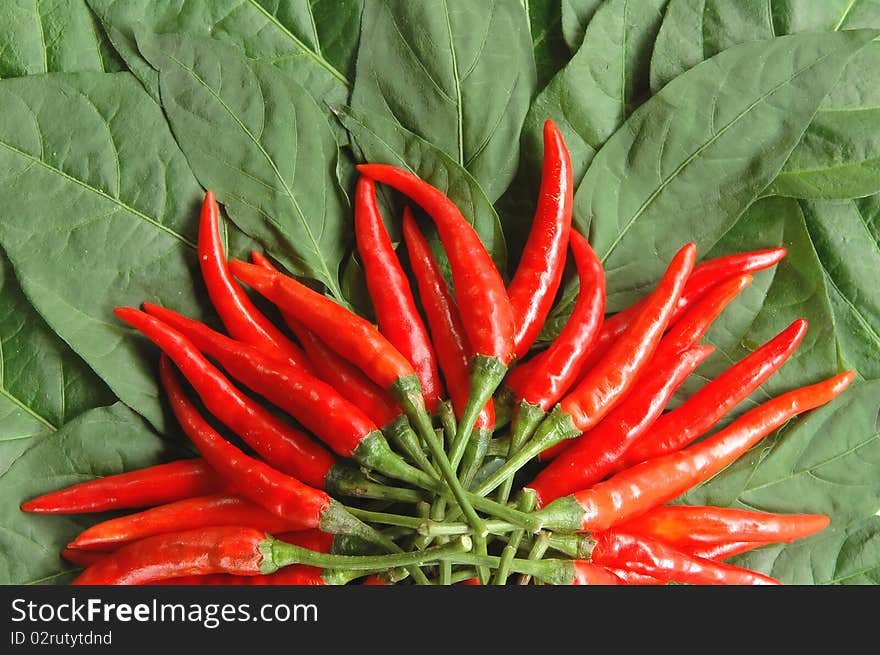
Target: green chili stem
(401,434)
(433,529)
(486,375)
(526,503)
(525,421)
(537,552)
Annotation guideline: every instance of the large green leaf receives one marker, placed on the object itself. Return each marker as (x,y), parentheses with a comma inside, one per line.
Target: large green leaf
(846,235)
(43,384)
(826,462)
(253,136)
(847,555)
(459,74)
(98,216)
(839,155)
(380,141)
(576,15)
(51,36)
(690,160)
(101,442)
(314,41)
(545,25)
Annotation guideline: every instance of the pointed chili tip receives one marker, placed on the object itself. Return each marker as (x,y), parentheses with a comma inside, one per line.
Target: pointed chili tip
(843,380)
(252,275)
(209,197)
(125,313)
(31,506)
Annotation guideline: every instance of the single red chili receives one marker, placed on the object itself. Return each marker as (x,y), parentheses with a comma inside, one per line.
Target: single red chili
(392,297)
(315,404)
(687,331)
(447,331)
(358,341)
(704,277)
(482,299)
(240,316)
(656,559)
(284,447)
(594,454)
(537,277)
(351,382)
(636,490)
(685,527)
(154,485)
(693,418)
(610,380)
(189,514)
(239,551)
(538,384)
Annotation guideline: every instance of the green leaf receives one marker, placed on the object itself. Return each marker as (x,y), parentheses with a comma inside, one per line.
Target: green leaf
(458,74)
(839,155)
(824,463)
(716,127)
(50,36)
(101,442)
(380,141)
(847,238)
(313,41)
(43,384)
(836,556)
(550,51)
(98,216)
(253,136)
(576,15)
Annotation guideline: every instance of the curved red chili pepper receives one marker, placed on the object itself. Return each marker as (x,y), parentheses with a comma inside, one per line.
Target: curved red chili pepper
(636,490)
(656,559)
(724,550)
(543,379)
(389,289)
(693,418)
(704,277)
(235,550)
(612,378)
(588,573)
(154,485)
(537,278)
(189,514)
(284,447)
(593,455)
(240,316)
(482,297)
(685,526)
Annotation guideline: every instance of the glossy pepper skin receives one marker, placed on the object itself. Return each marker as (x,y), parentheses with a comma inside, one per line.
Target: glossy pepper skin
(703,409)
(612,378)
(704,277)
(537,277)
(593,455)
(393,301)
(690,526)
(154,485)
(654,558)
(636,490)
(589,573)
(240,316)
(189,514)
(284,447)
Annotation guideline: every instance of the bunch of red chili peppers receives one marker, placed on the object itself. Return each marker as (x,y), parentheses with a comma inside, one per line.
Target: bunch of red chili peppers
(370,466)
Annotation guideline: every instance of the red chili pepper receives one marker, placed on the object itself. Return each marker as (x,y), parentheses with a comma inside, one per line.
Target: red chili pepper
(358,341)
(594,454)
(450,341)
(316,405)
(375,580)
(482,299)
(192,513)
(724,550)
(704,277)
(537,278)
(154,485)
(239,551)
(693,418)
(82,558)
(544,379)
(612,378)
(632,578)
(240,316)
(685,527)
(656,559)
(588,573)
(687,331)
(296,575)
(284,447)
(471,582)
(389,289)
(636,490)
